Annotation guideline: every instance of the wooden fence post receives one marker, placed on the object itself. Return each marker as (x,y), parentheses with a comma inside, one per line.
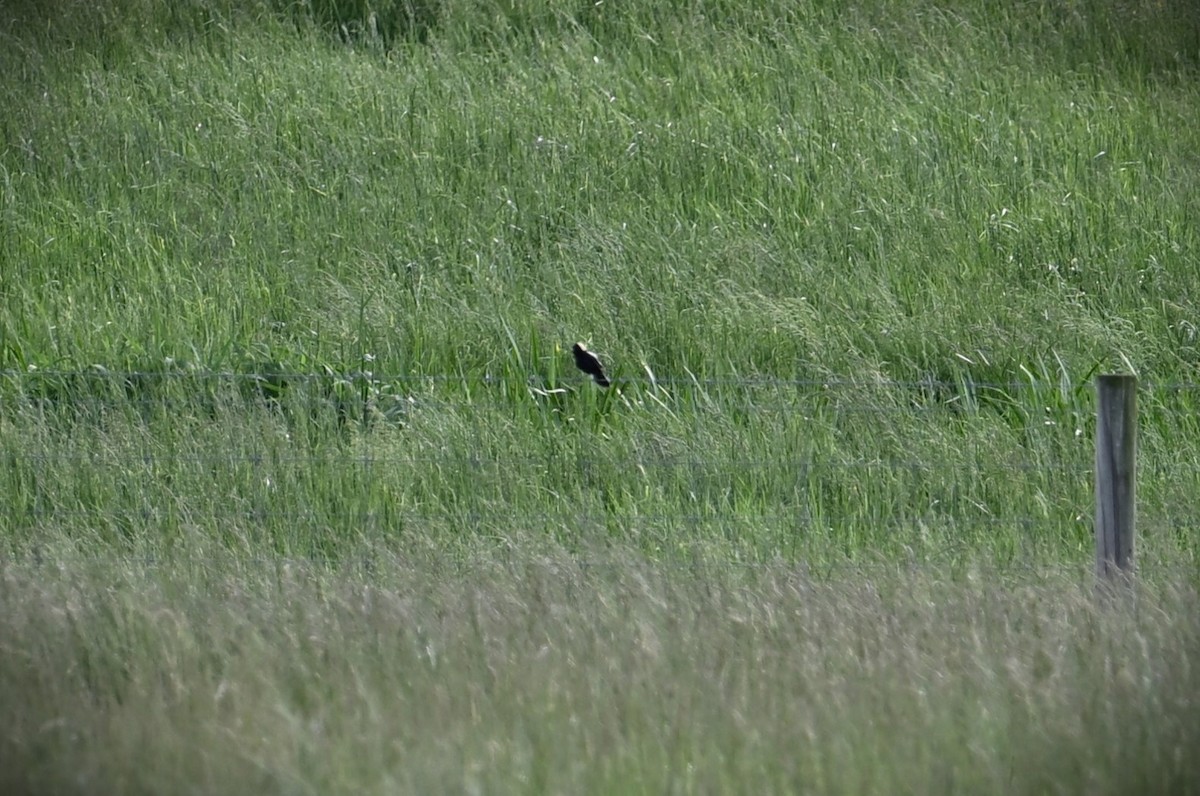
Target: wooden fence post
(1116,464)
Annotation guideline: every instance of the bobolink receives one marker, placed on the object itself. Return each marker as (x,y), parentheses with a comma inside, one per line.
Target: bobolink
(587,362)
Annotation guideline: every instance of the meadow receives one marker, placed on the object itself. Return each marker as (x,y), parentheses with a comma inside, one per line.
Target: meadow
(302,493)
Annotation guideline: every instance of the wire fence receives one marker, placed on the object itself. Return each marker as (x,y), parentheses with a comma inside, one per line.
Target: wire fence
(138,483)
(367,396)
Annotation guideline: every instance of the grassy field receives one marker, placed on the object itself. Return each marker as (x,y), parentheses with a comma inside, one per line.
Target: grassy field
(301,492)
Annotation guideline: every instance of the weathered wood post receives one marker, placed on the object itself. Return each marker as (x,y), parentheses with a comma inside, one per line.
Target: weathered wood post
(1116,464)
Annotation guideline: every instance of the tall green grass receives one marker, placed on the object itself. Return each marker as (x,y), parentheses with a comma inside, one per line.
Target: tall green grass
(288,292)
(794,195)
(709,194)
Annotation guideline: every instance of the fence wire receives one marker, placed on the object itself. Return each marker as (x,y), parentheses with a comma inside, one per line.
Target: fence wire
(33,376)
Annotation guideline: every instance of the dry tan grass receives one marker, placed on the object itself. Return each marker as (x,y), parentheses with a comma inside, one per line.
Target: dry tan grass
(620,676)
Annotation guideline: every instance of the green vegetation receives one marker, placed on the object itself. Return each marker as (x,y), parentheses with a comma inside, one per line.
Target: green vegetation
(301,491)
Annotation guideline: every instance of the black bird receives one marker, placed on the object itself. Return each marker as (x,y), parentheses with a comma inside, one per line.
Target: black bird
(587,362)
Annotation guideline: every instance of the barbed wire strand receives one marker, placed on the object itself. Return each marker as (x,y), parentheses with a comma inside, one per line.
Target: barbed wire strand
(800,515)
(100,373)
(708,464)
(374,562)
